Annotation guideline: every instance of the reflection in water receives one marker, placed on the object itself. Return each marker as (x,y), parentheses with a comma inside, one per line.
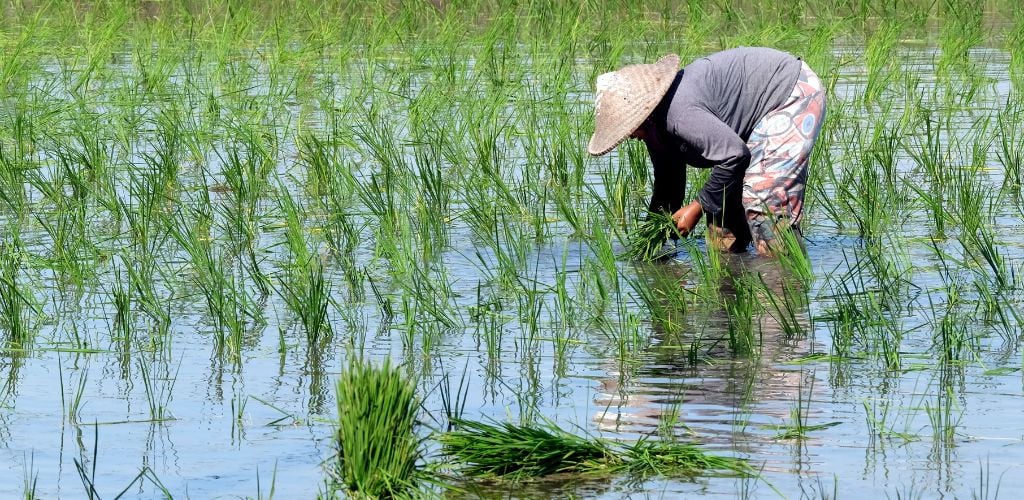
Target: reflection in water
(694,377)
(10,366)
(315,368)
(559,485)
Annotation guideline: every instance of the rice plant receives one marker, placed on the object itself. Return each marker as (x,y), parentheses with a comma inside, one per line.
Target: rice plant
(519,451)
(1011,147)
(159,390)
(665,297)
(500,449)
(377,445)
(649,457)
(31,479)
(228,303)
(647,241)
(308,294)
(742,308)
(16,302)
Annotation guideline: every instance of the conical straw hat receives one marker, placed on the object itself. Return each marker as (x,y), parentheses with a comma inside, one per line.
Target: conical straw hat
(625,98)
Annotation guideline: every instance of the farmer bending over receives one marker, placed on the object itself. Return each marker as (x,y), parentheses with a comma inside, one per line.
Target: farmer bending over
(751,115)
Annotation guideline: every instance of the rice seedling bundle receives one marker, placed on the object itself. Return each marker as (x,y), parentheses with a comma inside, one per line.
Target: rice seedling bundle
(647,241)
(500,449)
(481,449)
(377,445)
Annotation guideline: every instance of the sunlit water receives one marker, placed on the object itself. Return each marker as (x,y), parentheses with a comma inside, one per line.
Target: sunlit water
(236,429)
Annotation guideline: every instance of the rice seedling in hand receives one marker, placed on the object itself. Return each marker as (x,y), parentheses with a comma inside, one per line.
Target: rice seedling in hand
(647,241)
(377,444)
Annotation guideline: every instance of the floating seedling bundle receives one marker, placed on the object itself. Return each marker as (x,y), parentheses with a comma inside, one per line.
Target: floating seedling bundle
(482,449)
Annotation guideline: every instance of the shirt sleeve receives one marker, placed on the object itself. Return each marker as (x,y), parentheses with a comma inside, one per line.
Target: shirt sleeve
(713,144)
(669,178)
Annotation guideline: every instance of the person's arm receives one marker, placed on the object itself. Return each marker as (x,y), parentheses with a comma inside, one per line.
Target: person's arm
(686,218)
(669,172)
(669,177)
(718,147)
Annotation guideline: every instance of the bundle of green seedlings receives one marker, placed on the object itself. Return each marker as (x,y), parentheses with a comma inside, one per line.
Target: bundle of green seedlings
(481,449)
(377,443)
(646,242)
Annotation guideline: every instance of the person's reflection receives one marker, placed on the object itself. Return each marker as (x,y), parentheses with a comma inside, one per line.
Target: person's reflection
(696,376)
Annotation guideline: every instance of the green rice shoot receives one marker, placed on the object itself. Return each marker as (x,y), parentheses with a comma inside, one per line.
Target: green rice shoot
(646,242)
(505,449)
(377,444)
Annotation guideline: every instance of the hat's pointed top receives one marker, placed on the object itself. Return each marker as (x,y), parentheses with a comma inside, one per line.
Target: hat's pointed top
(625,98)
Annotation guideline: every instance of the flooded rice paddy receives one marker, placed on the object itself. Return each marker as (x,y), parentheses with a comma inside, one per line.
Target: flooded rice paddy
(202,227)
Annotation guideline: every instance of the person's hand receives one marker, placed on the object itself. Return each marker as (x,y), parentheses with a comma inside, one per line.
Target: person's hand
(687,217)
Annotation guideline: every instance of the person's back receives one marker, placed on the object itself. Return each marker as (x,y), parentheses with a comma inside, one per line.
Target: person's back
(739,86)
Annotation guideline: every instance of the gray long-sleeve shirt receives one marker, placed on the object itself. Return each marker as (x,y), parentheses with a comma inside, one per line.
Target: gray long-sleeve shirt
(707,117)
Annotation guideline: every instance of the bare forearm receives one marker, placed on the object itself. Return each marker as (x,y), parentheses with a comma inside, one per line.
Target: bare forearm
(686,218)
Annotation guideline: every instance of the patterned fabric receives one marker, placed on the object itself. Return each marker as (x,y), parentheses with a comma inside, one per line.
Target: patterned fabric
(780,149)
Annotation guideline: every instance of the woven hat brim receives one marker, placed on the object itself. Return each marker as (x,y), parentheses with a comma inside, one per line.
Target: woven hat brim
(625,98)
